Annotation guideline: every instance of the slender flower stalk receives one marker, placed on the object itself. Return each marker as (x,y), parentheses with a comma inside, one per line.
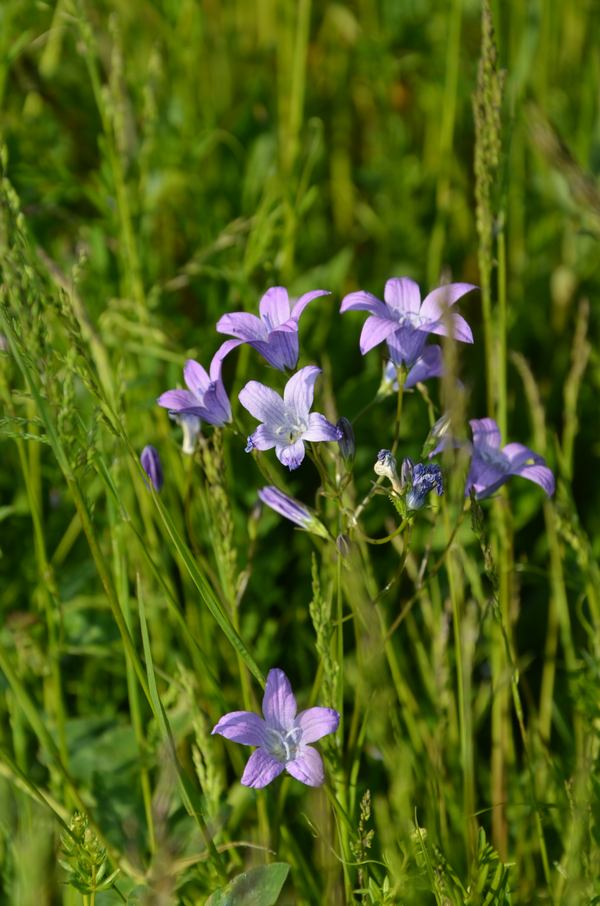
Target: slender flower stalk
(282,738)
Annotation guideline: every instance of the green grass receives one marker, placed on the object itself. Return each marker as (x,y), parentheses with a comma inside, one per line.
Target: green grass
(163,163)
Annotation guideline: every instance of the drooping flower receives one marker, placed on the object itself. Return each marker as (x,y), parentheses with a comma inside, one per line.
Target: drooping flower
(282,738)
(418,480)
(151,465)
(206,397)
(275,333)
(293,510)
(406,323)
(286,421)
(492,465)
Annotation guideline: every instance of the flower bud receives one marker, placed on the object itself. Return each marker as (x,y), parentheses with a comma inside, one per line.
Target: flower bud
(346,442)
(344,545)
(385,465)
(151,465)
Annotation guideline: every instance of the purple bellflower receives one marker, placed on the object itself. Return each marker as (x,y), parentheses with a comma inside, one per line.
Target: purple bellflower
(287,422)
(275,333)
(206,397)
(405,323)
(151,465)
(293,510)
(283,736)
(492,465)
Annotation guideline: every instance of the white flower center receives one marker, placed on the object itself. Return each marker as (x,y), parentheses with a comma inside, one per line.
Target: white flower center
(283,744)
(291,429)
(408,318)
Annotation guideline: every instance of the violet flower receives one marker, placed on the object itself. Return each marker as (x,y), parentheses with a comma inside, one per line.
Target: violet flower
(293,510)
(282,737)
(287,422)
(406,323)
(275,333)
(206,396)
(418,480)
(151,465)
(492,465)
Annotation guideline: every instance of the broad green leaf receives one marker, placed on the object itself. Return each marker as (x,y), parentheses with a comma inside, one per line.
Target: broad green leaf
(259,886)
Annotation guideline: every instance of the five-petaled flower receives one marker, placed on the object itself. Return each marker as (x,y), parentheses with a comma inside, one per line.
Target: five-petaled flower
(206,397)
(275,333)
(287,422)
(283,736)
(405,323)
(492,465)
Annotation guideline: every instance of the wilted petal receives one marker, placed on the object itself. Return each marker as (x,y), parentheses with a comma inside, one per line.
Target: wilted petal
(262,402)
(264,438)
(541,475)
(261,769)
(242,726)
(317,722)
(375,330)
(274,307)
(403,294)
(452,325)
(319,428)
(279,703)
(303,301)
(291,455)
(429,364)
(362,301)
(443,297)
(307,767)
(485,432)
(243,325)
(177,400)
(300,390)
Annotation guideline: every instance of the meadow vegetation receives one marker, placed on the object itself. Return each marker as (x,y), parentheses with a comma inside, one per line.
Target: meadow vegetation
(164,163)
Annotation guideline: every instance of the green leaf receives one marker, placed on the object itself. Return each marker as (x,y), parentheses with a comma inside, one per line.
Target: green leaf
(259,886)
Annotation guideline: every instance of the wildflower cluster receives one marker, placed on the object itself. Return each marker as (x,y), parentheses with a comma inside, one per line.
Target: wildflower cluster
(286,423)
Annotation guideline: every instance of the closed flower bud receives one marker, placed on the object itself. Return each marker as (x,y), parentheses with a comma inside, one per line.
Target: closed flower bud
(151,465)
(346,442)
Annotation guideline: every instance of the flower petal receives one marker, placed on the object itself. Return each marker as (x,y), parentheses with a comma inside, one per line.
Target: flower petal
(300,390)
(242,726)
(406,345)
(403,294)
(485,432)
(224,349)
(243,325)
(319,428)
(303,301)
(177,400)
(286,506)
(375,330)
(317,722)
(452,325)
(196,378)
(274,307)
(215,407)
(291,455)
(443,297)
(281,349)
(262,402)
(261,769)
(485,478)
(307,767)
(279,703)
(263,438)
(363,301)
(429,364)
(541,475)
